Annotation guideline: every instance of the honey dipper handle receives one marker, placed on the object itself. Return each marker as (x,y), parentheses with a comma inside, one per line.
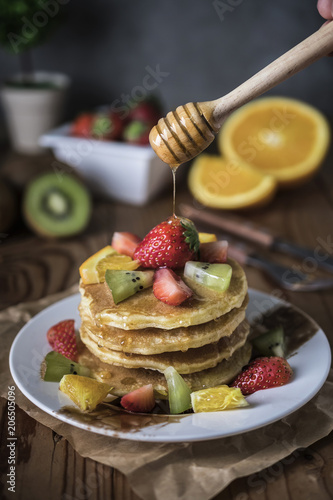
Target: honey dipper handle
(299,57)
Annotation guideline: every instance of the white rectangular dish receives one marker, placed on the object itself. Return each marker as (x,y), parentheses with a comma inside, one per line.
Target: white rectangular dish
(120,171)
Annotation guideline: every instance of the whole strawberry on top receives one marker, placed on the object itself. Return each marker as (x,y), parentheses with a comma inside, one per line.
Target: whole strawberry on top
(170,244)
(263,373)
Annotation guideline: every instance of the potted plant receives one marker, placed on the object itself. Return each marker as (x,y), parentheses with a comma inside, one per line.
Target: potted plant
(33,101)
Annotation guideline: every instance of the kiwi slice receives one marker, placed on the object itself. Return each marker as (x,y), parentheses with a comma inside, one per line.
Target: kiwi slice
(56,205)
(215,276)
(55,366)
(271,343)
(124,284)
(179,391)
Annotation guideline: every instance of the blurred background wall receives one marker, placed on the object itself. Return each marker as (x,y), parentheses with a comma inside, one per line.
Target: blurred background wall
(192,50)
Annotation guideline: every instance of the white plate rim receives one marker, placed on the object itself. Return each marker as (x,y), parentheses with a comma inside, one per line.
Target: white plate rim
(192,427)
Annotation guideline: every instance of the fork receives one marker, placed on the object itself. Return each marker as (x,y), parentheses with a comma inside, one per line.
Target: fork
(286,277)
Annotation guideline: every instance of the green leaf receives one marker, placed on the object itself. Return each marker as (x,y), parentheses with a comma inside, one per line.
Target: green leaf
(191,234)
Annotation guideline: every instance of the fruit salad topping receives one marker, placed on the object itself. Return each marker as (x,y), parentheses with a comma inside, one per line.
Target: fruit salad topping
(214,252)
(170,244)
(125,243)
(124,284)
(85,392)
(55,366)
(141,400)
(214,276)
(263,373)
(170,288)
(62,339)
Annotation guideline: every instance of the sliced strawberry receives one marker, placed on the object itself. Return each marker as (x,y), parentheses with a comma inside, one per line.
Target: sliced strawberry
(141,400)
(170,288)
(263,373)
(125,243)
(61,338)
(214,251)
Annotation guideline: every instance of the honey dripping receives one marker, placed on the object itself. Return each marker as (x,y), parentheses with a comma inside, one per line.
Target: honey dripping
(174,170)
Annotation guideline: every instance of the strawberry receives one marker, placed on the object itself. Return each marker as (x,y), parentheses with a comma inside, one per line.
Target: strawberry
(148,111)
(170,244)
(81,126)
(141,400)
(125,243)
(170,288)
(107,126)
(62,339)
(263,373)
(137,132)
(214,252)
(104,126)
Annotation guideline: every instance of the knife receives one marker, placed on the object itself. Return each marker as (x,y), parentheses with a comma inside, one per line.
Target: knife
(261,236)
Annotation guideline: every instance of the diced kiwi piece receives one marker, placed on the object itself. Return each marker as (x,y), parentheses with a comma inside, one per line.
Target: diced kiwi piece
(215,276)
(56,205)
(271,343)
(124,284)
(179,392)
(55,366)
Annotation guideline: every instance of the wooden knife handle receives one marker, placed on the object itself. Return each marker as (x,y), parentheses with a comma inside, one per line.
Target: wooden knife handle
(232,225)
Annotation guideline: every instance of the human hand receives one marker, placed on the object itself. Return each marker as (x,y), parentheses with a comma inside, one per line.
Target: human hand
(325,8)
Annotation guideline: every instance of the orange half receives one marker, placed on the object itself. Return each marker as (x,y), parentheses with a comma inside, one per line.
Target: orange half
(220,183)
(282,137)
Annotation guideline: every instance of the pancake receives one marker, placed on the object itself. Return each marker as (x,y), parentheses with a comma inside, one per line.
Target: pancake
(193,360)
(124,380)
(144,310)
(156,340)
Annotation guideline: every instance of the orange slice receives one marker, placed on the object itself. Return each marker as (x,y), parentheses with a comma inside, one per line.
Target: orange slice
(282,137)
(219,183)
(217,398)
(93,269)
(85,392)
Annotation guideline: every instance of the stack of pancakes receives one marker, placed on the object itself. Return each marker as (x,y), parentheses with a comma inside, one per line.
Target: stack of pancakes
(130,344)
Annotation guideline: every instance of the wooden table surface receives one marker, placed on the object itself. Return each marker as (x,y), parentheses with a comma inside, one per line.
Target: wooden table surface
(31,268)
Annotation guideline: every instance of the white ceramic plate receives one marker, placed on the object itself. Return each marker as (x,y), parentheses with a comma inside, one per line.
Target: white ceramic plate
(311,363)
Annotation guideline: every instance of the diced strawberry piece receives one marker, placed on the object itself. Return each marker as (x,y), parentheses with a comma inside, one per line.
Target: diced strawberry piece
(61,338)
(125,243)
(141,400)
(170,288)
(214,251)
(263,373)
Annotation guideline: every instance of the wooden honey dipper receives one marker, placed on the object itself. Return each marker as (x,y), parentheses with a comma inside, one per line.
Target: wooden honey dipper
(188,130)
